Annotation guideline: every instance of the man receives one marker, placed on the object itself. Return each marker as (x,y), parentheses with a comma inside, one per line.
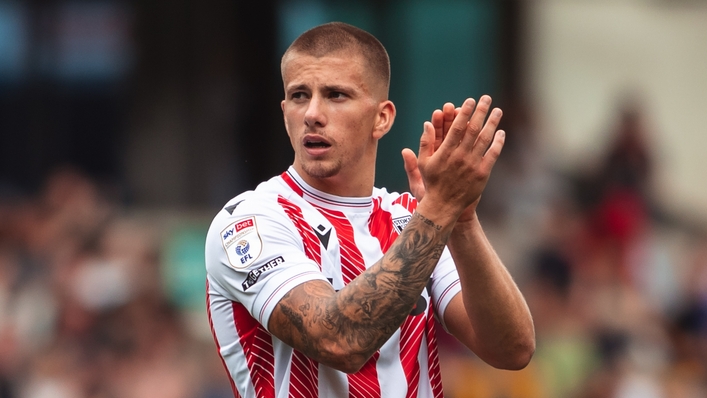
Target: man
(320,284)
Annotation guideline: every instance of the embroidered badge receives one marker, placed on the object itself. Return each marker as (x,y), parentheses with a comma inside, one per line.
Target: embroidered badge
(242,242)
(400,222)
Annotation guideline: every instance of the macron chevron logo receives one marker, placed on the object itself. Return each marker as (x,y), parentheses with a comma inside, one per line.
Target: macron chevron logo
(323,236)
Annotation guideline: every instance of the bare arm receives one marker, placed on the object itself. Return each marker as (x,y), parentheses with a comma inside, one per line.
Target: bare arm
(490,315)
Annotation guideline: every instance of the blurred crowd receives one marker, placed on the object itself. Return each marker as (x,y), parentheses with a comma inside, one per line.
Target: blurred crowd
(618,290)
(617,287)
(84,310)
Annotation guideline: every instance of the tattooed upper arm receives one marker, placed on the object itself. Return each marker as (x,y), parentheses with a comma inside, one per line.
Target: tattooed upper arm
(303,320)
(343,329)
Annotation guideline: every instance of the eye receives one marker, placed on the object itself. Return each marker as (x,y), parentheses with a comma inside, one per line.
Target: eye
(298,96)
(337,95)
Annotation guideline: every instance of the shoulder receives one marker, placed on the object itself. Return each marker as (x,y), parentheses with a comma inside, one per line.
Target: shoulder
(263,201)
(248,210)
(247,226)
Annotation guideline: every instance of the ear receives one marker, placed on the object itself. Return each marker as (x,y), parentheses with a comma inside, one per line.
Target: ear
(282,106)
(385,119)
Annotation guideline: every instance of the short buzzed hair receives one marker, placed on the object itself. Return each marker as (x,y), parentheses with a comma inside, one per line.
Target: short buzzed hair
(332,37)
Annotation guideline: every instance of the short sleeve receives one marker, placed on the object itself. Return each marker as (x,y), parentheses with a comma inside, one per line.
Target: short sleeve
(255,256)
(444,285)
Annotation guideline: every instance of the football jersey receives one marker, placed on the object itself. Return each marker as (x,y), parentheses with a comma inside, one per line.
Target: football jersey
(265,242)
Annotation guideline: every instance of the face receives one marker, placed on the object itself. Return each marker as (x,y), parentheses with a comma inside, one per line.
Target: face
(334,112)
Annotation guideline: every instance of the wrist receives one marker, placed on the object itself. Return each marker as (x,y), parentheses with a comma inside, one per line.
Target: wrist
(468,221)
(437,212)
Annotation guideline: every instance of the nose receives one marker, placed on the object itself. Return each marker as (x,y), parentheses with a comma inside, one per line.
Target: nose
(315,115)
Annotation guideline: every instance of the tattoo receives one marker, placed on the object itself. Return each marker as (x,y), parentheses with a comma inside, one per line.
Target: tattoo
(427,221)
(364,314)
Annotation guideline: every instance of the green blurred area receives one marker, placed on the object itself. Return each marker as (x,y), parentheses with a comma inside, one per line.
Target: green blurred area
(440,51)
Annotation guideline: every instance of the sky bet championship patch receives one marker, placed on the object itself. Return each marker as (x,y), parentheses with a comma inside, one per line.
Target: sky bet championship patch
(242,242)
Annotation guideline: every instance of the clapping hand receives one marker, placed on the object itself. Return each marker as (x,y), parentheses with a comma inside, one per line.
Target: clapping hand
(458,149)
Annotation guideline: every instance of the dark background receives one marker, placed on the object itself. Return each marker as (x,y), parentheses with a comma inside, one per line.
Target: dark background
(176,103)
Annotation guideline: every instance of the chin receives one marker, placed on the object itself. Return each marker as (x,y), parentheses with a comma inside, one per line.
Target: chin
(321,170)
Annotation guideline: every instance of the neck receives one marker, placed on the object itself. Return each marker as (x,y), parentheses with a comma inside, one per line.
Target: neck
(358,184)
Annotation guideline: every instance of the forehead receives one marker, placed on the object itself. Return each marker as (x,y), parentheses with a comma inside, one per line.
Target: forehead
(337,68)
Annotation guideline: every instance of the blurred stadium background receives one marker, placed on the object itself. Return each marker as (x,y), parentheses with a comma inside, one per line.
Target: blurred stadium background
(125,125)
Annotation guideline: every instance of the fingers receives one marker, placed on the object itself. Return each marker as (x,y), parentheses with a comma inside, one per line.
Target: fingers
(427,141)
(438,123)
(458,127)
(484,138)
(476,122)
(449,113)
(409,162)
(493,152)
(442,121)
(417,187)
(467,124)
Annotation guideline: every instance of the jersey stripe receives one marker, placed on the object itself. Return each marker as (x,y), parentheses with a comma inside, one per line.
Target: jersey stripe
(352,263)
(291,183)
(433,357)
(304,371)
(381,226)
(363,383)
(410,343)
(309,240)
(258,350)
(218,347)
(407,201)
(303,376)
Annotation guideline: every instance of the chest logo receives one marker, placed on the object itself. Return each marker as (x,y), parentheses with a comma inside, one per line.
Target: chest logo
(399,223)
(323,236)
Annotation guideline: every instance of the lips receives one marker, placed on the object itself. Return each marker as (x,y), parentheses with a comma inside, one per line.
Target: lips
(315,142)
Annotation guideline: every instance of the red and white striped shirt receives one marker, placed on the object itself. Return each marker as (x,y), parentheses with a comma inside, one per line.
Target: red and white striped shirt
(284,233)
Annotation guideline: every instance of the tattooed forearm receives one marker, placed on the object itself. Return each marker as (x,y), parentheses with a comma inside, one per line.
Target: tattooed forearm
(362,316)
(428,221)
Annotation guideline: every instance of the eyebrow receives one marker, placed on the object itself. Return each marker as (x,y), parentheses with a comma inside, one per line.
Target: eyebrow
(297,87)
(329,88)
(336,87)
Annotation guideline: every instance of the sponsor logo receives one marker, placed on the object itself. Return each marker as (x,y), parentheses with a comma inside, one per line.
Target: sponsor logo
(237,228)
(254,275)
(242,248)
(242,242)
(399,223)
(323,236)
(249,223)
(237,231)
(230,208)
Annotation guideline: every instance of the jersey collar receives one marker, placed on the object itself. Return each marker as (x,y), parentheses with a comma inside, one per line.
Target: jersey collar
(320,198)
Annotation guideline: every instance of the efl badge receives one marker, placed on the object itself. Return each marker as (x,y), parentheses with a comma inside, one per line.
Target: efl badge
(242,242)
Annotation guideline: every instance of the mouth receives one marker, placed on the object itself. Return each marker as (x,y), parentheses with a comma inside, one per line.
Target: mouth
(315,142)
